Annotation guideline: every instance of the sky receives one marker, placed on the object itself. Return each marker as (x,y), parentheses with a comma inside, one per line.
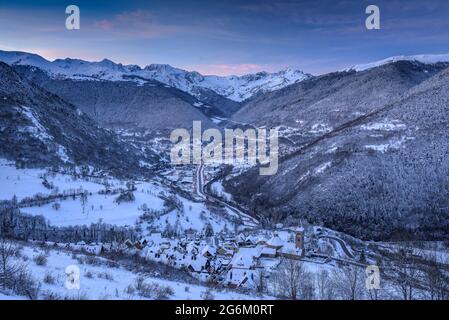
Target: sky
(227,37)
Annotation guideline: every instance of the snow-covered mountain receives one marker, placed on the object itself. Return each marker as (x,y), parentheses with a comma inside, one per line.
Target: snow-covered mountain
(40,129)
(351,136)
(423,58)
(237,88)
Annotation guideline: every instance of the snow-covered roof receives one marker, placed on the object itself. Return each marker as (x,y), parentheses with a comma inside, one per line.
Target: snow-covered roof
(242,261)
(290,248)
(242,277)
(268,251)
(275,242)
(208,249)
(244,258)
(226,251)
(197,264)
(191,246)
(261,239)
(269,263)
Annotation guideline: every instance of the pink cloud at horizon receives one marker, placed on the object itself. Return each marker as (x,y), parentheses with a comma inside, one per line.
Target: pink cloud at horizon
(223,69)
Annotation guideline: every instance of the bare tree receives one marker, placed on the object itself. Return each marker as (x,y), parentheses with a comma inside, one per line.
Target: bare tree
(349,282)
(291,280)
(436,278)
(14,276)
(405,273)
(7,269)
(261,281)
(324,285)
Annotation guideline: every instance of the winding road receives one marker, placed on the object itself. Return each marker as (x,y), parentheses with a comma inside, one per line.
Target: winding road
(247,220)
(342,244)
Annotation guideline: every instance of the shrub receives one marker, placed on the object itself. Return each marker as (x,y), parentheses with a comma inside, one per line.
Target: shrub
(130,290)
(126,196)
(79,296)
(112,264)
(162,292)
(48,295)
(40,260)
(92,260)
(49,279)
(18,252)
(152,290)
(24,284)
(106,276)
(207,295)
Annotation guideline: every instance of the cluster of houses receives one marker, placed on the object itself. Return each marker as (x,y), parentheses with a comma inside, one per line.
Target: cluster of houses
(239,261)
(235,261)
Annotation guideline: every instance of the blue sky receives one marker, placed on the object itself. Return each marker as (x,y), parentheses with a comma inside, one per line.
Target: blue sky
(227,37)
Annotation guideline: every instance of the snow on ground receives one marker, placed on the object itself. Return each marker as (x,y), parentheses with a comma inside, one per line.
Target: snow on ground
(4,296)
(386,126)
(102,207)
(323,167)
(102,281)
(392,144)
(217,120)
(27,182)
(424,58)
(37,129)
(98,207)
(320,128)
(218,188)
(194,215)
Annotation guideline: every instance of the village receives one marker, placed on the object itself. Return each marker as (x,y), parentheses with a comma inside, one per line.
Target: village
(235,262)
(240,261)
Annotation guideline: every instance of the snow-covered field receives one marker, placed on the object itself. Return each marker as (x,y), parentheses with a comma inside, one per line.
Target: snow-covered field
(97,207)
(194,216)
(27,182)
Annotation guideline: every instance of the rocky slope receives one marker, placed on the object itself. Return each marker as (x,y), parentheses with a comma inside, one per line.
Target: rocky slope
(40,129)
(123,104)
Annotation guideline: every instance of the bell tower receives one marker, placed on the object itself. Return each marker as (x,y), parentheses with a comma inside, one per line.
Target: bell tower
(299,238)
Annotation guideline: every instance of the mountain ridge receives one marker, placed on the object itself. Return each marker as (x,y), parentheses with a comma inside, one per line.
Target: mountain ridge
(422,58)
(376,171)
(236,88)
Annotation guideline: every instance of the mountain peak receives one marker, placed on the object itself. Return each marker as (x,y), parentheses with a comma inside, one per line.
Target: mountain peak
(237,88)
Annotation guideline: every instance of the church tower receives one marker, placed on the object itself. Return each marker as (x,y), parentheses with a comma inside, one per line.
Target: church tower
(299,238)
